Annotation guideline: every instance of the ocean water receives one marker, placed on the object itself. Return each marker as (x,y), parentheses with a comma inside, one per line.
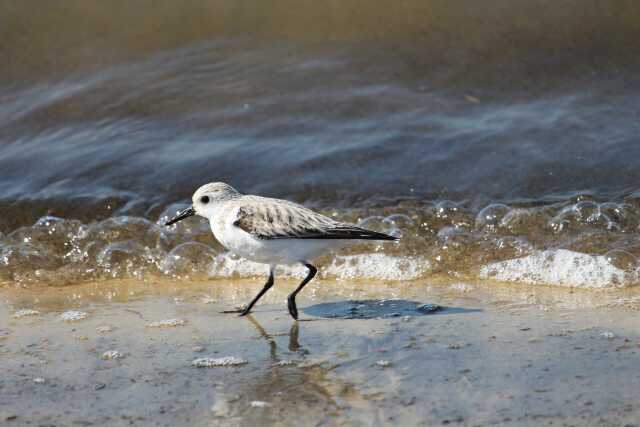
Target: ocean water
(499,140)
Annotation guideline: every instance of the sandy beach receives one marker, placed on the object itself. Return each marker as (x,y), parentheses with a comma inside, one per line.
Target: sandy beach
(490,355)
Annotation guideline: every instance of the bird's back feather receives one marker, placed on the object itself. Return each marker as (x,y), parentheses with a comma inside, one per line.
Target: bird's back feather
(267,218)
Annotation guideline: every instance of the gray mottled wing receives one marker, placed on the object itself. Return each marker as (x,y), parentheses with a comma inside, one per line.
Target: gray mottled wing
(275,219)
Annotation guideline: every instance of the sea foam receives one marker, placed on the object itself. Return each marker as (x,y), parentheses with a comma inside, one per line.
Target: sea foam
(561,267)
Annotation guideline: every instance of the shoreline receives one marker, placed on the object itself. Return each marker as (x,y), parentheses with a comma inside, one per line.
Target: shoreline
(492,355)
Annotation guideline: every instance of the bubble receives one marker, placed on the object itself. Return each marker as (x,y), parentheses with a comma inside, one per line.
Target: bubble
(376,223)
(490,217)
(401,220)
(511,247)
(622,259)
(581,215)
(25,258)
(454,249)
(193,229)
(51,233)
(25,312)
(621,215)
(446,209)
(127,258)
(586,210)
(522,221)
(111,355)
(169,323)
(73,315)
(189,258)
(461,287)
(444,214)
(453,234)
(608,335)
(208,362)
(123,228)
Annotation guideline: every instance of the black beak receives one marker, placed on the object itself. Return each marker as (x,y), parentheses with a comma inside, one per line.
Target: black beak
(182,215)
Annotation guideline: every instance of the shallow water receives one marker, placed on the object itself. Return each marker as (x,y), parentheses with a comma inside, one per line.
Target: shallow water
(507,356)
(499,142)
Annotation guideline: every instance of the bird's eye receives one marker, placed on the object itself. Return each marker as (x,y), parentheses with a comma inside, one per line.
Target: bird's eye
(204,199)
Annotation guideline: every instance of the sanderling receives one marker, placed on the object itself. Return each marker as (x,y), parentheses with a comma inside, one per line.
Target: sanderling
(270,231)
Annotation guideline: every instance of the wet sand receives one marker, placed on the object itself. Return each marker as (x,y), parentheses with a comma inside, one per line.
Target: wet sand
(492,355)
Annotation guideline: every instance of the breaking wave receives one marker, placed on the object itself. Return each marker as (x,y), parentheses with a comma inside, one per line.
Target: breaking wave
(579,243)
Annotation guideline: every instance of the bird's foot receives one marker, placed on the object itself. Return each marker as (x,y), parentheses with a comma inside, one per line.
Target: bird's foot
(241,311)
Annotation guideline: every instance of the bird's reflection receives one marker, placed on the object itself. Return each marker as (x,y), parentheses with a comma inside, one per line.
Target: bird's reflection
(294,345)
(294,333)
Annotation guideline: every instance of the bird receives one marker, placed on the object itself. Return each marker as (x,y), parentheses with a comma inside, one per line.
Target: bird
(271,231)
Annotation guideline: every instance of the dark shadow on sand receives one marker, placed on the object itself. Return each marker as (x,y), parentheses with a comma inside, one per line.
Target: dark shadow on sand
(376,309)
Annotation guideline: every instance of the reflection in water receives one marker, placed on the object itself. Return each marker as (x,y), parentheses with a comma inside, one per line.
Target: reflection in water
(294,332)
(299,388)
(285,387)
(293,337)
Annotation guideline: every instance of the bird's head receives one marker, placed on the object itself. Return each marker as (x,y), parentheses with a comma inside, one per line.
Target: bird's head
(205,200)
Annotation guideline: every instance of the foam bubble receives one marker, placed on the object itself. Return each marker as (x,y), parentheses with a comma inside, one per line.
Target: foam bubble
(622,259)
(111,355)
(562,268)
(189,258)
(194,230)
(24,313)
(378,266)
(169,323)
(490,217)
(584,214)
(50,233)
(227,265)
(73,315)
(449,213)
(26,257)
(208,362)
(127,258)
(123,228)
(370,266)
(461,287)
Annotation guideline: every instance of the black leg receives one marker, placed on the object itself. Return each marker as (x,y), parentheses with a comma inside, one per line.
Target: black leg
(291,299)
(265,288)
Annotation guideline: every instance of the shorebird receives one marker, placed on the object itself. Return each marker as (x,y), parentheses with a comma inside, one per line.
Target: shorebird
(271,231)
